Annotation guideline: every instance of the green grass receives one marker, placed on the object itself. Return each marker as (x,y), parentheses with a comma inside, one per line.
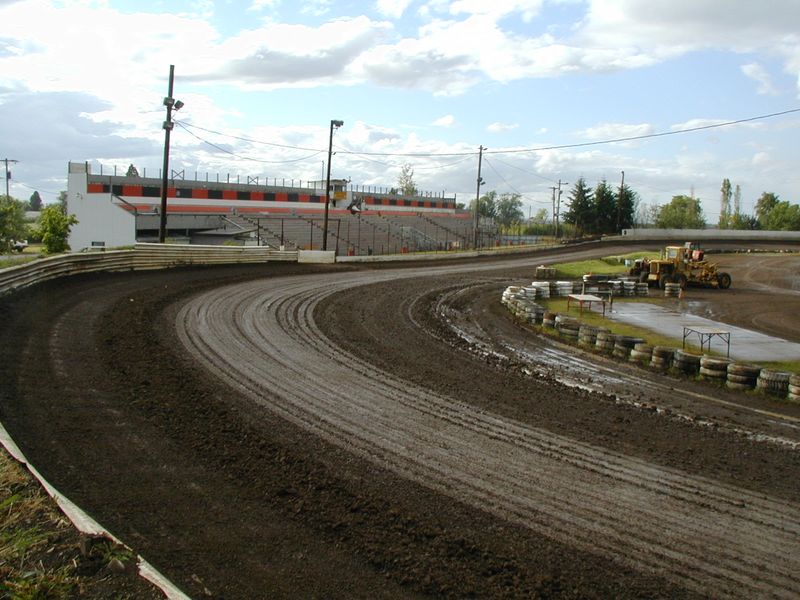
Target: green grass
(608,265)
(14,261)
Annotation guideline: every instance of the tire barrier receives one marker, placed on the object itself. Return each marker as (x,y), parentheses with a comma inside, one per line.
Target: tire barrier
(567,326)
(605,342)
(672,290)
(686,362)
(542,289)
(713,368)
(543,272)
(742,376)
(794,388)
(775,383)
(623,344)
(662,357)
(642,289)
(734,375)
(587,335)
(642,353)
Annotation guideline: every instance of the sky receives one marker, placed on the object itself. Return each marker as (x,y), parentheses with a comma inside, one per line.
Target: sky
(554,90)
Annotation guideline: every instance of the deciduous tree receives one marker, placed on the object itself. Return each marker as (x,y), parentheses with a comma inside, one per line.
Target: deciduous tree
(12,222)
(726,192)
(53,228)
(405,181)
(683,212)
(508,210)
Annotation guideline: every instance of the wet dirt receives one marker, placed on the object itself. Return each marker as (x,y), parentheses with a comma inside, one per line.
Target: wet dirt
(232,500)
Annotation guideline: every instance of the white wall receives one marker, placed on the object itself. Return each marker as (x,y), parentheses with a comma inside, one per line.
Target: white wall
(100,218)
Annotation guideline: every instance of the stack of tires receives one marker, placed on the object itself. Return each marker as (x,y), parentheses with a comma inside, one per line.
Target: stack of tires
(624,344)
(775,383)
(686,362)
(587,335)
(549,319)
(794,388)
(568,327)
(672,290)
(662,357)
(642,354)
(713,368)
(742,376)
(605,342)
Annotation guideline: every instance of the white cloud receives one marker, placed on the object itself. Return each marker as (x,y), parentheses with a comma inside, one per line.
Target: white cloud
(613,131)
(392,8)
(759,74)
(445,121)
(498,127)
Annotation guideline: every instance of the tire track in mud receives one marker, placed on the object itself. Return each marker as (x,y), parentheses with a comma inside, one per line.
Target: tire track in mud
(261,338)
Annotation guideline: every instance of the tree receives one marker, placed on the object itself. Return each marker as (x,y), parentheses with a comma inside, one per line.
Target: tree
(487,205)
(53,228)
(742,221)
(508,210)
(764,206)
(605,205)
(683,212)
(737,200)
(627,200)
(62,200)
(726,193)
(581,211)
(784,216)
(35,202)
(132,171)
(540,217)
(12,222)
(405,181)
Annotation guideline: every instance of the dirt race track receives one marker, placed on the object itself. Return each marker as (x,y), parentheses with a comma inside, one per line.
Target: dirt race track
(290,431)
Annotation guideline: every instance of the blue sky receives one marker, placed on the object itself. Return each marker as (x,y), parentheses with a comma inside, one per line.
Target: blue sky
(423,83)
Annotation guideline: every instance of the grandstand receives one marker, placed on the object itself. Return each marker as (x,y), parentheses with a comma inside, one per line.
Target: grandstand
(115,211)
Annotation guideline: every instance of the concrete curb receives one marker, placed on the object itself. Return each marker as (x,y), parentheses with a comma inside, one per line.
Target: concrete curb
(86,524)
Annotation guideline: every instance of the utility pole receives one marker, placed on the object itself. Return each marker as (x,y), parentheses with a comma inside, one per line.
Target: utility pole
(478,197)
(8,173)
(555,229)
(619,201)
(558,204)
(171,104)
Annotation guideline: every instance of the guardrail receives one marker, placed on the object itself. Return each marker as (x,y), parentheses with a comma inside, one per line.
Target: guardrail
(141,257)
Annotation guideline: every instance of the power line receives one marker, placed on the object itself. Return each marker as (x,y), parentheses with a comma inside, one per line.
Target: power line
(510,151)
(250,158)
(649,135)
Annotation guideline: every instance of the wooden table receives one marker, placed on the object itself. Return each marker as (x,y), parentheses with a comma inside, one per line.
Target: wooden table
(582,299)
(705,334)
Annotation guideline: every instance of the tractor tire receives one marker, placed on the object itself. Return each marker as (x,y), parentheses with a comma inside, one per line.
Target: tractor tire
(663,281)
(680,280)
(723,281)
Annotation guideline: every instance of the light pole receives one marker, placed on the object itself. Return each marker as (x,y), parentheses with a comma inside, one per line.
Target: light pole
(171,104)
(334,125)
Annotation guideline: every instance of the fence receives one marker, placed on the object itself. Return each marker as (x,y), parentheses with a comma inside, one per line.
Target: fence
(141,257)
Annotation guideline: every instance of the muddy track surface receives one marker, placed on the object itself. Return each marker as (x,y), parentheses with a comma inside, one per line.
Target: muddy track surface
(256,432)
